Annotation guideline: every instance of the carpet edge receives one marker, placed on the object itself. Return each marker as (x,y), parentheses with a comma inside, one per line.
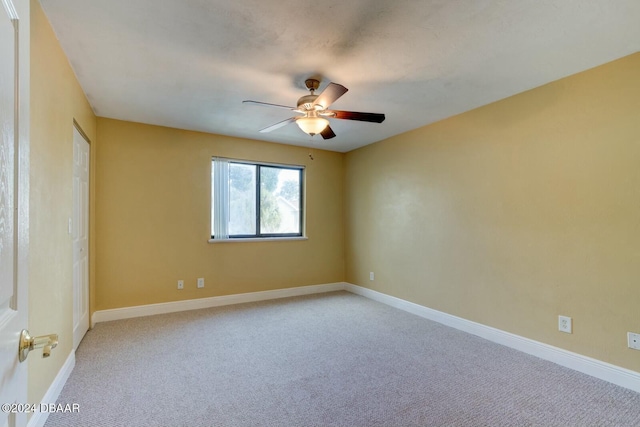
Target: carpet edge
(593,367)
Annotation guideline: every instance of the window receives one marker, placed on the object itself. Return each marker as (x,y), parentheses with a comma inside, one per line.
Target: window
(255,200)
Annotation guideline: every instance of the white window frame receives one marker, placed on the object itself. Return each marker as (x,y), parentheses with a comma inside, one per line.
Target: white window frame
(220,202)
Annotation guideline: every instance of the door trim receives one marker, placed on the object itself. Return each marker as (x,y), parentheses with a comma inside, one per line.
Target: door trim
(79,129)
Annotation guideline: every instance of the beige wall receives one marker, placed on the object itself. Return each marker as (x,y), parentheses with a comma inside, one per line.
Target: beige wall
(153,218)
(56,100)
(514,213)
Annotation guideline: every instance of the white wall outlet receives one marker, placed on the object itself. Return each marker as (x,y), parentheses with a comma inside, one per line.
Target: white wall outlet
(201,282)
(633,340)
(372,276)
(180,284)
(564,324)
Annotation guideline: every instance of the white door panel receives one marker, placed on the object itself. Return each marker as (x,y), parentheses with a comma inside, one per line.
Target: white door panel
(13,218)
(80,230)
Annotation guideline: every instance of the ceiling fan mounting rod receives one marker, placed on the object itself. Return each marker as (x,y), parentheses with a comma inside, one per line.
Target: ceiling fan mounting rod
(312,85)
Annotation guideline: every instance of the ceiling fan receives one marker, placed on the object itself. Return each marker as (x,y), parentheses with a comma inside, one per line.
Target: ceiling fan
(314,109)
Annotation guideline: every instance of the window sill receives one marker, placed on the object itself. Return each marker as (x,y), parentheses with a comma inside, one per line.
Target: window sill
(259,239)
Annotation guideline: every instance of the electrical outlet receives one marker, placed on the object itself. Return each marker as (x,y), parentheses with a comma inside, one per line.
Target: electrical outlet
(564,324)
(633,340)
(180,284)
(201,282)
(372,276)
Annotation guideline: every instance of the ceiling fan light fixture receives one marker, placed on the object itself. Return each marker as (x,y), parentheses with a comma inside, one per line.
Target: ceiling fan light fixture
(314,109)
(312,125)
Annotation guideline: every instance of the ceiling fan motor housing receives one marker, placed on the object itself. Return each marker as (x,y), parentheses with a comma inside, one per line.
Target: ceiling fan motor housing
(306,103)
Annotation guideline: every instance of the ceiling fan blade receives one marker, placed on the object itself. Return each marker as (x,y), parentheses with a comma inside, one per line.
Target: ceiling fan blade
(278,125)
(330,94)
(354,115)
(327,133)
(266,104)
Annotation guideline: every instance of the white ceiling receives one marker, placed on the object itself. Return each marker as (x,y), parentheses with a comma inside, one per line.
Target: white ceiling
(189,64)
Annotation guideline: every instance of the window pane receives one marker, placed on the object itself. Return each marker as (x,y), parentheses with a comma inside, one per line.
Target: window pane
(279,200)
(242,199)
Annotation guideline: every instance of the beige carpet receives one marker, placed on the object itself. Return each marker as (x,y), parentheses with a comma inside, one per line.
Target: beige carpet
(334,359)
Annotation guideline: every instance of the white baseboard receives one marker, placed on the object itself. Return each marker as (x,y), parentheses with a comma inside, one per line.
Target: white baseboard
(51,396)
(194,304)
(587,365)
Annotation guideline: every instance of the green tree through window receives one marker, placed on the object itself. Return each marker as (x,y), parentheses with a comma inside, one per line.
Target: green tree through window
(269,211)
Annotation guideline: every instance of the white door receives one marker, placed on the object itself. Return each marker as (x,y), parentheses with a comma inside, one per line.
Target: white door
(80,232)
(13,221)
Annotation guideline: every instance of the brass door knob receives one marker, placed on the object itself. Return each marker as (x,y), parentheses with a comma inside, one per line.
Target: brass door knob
(28,343)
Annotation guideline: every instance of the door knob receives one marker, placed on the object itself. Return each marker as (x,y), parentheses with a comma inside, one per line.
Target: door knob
(28,343)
